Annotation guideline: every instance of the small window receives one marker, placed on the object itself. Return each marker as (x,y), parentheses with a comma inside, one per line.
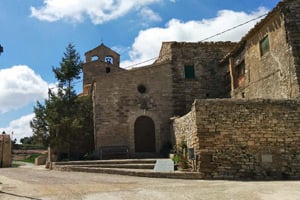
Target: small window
(189,71)
(94,58)
(264,46)
(243,95)
(107,70)
(142,89)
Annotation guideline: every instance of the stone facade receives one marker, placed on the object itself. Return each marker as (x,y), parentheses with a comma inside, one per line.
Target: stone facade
(235,139)
(5,150)
(274,73)
(154,93)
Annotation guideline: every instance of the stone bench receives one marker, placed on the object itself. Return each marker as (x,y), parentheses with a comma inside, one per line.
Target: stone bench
(108,152)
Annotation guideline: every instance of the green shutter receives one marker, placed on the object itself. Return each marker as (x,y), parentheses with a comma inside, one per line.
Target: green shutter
(264,46)
(189,71)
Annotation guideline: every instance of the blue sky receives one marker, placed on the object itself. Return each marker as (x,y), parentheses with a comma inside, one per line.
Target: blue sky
(34,34)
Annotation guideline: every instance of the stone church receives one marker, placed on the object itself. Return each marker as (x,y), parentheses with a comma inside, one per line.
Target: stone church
(235,104)
(133,107)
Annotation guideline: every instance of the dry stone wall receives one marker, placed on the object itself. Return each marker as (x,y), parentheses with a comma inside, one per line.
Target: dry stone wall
(239,139)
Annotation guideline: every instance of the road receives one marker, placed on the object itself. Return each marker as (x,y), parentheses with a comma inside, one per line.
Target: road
(37,183)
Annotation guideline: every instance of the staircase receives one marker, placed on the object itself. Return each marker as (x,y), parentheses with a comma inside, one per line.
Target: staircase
(131,167)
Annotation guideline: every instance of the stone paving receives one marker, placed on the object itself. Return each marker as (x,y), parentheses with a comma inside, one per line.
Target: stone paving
(37,183)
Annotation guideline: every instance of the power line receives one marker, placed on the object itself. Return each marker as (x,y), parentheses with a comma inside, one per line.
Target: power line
(220,33)
(141,62)
(232,28)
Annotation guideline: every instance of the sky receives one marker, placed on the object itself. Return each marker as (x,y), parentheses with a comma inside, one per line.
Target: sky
(35,33)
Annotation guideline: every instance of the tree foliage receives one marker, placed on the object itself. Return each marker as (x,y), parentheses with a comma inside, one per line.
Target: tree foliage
(65,120)
(27,140)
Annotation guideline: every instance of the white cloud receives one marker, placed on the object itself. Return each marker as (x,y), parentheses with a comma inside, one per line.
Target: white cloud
(19,86)
(99,11)
(148,42)
(150,15)
(20,127)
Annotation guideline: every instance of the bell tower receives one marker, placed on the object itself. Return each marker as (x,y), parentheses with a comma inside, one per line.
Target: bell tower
(100,61)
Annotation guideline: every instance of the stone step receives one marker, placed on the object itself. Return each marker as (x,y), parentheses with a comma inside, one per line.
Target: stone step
(121,166)
(132,172)
(112,162)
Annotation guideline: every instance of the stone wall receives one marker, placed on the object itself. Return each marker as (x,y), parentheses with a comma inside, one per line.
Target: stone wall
(204,56)
(237,139)
(272,75)
(185,129)
(5,151)
(292,20)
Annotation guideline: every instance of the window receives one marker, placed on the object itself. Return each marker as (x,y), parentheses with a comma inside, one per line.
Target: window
(142,89)
(94,58)
(264,46)
(189,71)
(109,59)
(107,70)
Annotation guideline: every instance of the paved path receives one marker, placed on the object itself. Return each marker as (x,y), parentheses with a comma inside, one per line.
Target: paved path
(37,183)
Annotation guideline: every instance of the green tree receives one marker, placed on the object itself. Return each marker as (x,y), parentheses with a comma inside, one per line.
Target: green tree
(27,140)
(65,122)
(69,70)
(39,125)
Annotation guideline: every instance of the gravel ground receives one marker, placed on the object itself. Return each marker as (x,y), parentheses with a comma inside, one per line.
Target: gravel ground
(37,183)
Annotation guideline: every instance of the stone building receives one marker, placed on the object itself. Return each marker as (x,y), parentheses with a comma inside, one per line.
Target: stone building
(246,137)
(265,63)
(133,108)
(5,150)
(213,89)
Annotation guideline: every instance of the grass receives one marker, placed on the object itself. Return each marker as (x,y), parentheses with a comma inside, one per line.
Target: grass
(31,158)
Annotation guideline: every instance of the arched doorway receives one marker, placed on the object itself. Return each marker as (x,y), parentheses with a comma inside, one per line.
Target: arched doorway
(144,134)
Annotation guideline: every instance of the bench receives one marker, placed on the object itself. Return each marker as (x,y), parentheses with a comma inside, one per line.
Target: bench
(108,152)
